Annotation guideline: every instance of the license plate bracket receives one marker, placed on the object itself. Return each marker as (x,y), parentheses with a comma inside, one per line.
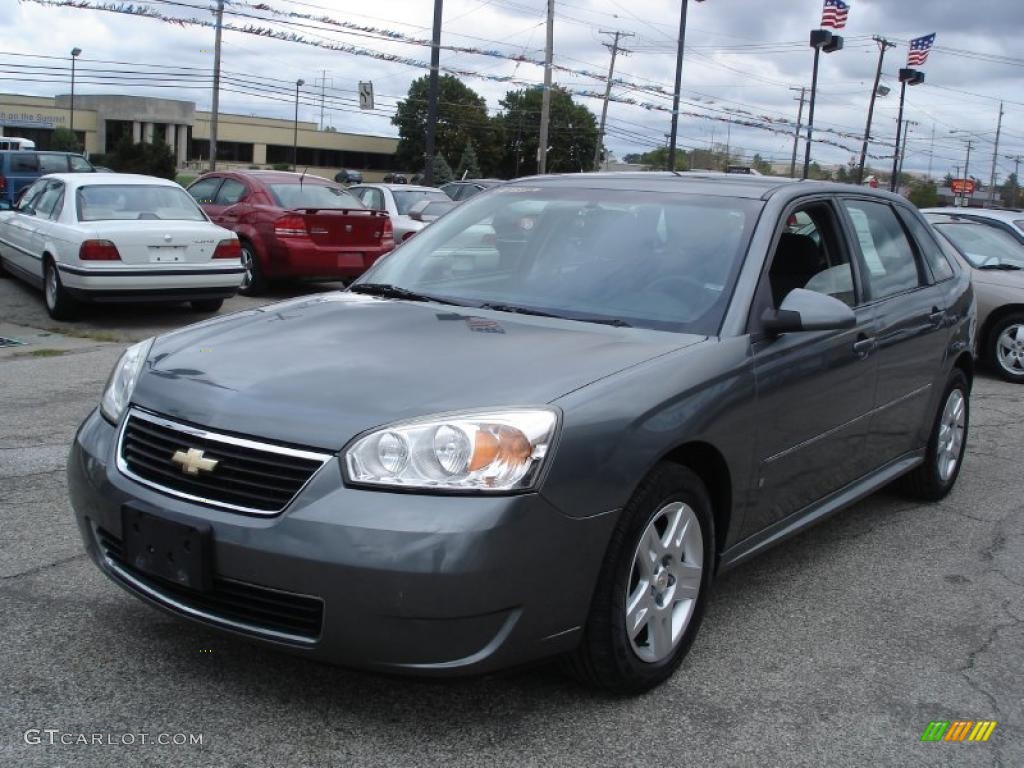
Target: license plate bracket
(176,551)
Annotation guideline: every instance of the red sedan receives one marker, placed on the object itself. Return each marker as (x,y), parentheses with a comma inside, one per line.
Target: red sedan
(292,225)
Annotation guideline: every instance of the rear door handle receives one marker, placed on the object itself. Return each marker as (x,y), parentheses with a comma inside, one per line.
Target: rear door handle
(937,316)
(864,346)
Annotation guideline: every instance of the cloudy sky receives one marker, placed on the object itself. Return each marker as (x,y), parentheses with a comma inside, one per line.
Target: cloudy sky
(743,58)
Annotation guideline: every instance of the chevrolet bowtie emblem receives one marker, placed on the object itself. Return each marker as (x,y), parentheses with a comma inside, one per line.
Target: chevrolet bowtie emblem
(193,462)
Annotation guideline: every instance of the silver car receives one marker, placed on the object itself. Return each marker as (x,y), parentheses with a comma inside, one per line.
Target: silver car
(994,255)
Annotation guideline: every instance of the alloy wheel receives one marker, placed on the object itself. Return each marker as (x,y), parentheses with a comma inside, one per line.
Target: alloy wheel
(1010,349)
(664,582)
(247,265)
(951,434)
(50,288)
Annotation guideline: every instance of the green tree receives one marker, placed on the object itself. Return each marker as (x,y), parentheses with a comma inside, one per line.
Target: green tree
(761,165)
(461,119)
(64,140)
(442,171)
(572,133)
(469,167)
(1009,192)
(923,193)
(154,159)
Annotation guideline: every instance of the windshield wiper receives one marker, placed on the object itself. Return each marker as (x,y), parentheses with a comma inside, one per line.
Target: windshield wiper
(1009,267)
(615,321)
(388,291)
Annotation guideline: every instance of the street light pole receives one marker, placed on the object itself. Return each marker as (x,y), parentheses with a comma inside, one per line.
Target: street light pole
(295,134)
(75,53)
(821,40)
(907,77)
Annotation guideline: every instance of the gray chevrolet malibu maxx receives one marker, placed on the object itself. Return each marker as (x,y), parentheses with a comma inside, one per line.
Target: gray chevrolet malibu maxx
(540,427)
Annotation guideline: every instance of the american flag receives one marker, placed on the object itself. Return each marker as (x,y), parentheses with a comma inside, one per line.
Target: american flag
(919,49)
(834,14)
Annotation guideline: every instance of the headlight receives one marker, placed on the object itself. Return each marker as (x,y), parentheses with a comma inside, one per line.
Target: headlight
(122,380)
(496,451)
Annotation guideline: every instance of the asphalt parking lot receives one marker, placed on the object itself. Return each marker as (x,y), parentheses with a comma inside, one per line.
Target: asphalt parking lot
(836,648)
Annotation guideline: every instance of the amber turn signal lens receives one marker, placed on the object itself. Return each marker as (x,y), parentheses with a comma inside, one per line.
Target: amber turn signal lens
(499,443)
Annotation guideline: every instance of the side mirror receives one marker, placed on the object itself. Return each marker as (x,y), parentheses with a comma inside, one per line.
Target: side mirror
(804,310)
(416,214)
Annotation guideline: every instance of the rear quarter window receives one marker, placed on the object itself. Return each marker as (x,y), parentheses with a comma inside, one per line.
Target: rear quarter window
(24,162)
(53,163)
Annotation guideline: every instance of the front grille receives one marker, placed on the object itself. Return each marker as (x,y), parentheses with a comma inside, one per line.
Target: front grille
(237,604)
(249,476)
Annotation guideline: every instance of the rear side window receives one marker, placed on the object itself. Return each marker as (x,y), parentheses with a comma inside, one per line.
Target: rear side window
(891,264)
(29,194)
(230,192)
(24,162)
(79,164)
(53,163)
(204,190)
(930,249)
(46,204)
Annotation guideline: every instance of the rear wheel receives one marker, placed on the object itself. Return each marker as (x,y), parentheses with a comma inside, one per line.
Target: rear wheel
(651,594)
(936,476)
(59,303)
(207,305)
(253,281)
(1006,348)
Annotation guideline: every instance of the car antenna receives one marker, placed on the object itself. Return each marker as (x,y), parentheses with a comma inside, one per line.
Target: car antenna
(303,175)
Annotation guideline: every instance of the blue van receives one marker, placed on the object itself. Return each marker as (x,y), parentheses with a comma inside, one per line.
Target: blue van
(19,168)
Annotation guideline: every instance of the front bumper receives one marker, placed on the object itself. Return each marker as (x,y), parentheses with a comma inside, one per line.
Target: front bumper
(417,583)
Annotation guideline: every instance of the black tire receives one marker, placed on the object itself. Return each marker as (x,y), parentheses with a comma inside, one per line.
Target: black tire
(255,282)
(1011,368)
(926,481)
(59,304)
(207,305)
(606,657)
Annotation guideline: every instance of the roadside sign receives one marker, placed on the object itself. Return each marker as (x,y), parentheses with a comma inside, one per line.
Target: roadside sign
(962,186)
(366,95)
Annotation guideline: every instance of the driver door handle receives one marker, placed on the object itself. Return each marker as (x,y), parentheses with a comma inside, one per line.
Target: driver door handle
(937,316)
(864,346)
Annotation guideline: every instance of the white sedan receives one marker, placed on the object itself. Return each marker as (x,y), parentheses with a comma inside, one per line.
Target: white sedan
(117,237)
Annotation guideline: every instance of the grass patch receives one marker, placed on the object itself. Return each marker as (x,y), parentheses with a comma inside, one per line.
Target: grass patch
(85,333)
(44,352)
(184,179)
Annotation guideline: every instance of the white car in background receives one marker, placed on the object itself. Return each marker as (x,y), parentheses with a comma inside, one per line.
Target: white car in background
(117,237)
(1008,220)
(398,200)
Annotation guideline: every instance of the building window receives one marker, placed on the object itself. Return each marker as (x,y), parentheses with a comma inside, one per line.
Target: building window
(116,130)
(227,151)
(278,154)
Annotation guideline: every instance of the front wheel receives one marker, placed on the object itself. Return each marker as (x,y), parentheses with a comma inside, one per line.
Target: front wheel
(1006,348)
(651,594)
(60,304)
(935,478)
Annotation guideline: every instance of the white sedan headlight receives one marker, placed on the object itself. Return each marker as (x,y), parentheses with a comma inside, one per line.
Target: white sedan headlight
(122,380)
(496,451)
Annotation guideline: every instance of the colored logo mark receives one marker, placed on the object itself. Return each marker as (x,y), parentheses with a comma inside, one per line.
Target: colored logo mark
(958,730)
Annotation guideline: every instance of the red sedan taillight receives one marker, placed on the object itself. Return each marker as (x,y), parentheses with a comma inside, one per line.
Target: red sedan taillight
(3,185)
(387,239)
(291,225)
(228,249)
(98,250)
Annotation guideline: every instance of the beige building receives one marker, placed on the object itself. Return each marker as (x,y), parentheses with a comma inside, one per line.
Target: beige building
(100,121)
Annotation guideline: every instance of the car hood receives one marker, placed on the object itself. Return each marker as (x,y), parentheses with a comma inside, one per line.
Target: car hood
(319,370)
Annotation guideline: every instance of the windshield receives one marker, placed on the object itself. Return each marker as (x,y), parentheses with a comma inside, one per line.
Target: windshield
(312,196)
(407,198)
(103,202)
(645,259)
(984,245)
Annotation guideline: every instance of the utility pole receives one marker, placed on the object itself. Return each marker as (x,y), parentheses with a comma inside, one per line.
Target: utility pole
(435,65)
(799,126)
(995,156)
(931,152)
(545,104)
(614,48)
(883,44)
(215,107)
(323,82)
(903,152)
(679,84)
(1016,178)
